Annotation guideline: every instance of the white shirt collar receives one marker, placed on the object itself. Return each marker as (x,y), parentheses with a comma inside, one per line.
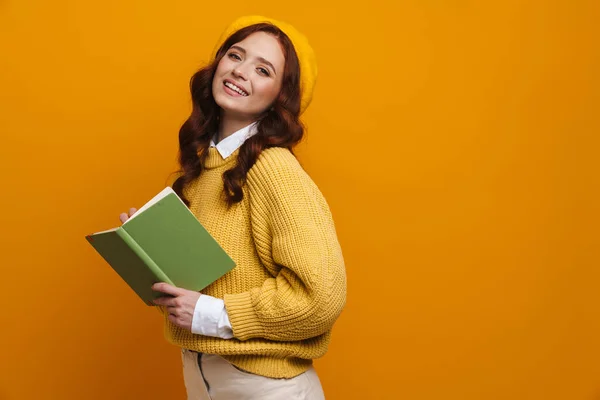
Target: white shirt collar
(231,143)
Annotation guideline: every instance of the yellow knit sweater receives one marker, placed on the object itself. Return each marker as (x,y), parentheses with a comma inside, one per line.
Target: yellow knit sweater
(289,283)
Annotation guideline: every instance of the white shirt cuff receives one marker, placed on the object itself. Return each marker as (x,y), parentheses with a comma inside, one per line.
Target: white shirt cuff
(210,318)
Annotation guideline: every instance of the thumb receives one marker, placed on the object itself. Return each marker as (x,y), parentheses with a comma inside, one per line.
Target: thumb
(164,287)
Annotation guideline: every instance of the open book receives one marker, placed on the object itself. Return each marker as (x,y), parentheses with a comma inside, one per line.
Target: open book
(162,242)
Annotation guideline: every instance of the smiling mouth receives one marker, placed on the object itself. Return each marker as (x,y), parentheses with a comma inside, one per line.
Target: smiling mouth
(235,88)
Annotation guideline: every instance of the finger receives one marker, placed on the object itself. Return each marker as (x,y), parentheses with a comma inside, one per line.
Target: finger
(123,217)
(132,211)
(168,301)
(172,311)
(174,320)
(168,289)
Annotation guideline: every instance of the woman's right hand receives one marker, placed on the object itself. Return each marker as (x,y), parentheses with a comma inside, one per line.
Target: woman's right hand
(124,216)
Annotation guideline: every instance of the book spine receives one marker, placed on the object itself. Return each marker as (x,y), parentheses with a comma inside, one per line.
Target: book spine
(137,249)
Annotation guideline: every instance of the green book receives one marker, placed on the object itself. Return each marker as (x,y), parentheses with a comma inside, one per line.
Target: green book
(162,242)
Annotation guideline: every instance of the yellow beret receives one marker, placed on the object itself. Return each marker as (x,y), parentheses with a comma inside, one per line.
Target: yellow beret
(305,53)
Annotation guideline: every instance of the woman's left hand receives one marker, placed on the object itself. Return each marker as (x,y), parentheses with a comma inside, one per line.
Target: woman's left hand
(180,305)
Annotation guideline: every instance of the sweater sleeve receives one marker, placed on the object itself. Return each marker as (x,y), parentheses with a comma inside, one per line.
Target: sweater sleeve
(296,241)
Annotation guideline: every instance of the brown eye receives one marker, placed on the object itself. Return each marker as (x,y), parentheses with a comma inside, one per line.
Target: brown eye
(263,71)
(234,56)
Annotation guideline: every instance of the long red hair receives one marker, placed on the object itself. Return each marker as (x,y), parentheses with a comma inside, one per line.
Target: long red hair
(280,126)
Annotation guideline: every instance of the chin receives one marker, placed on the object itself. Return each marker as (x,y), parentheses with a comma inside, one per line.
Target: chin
(230,108)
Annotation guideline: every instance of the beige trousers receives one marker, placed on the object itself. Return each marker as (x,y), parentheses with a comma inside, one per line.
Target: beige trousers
(217,379)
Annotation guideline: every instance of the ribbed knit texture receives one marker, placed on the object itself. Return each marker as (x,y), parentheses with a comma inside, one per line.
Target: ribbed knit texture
(289,283)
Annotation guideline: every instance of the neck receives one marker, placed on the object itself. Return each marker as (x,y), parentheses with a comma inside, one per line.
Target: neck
(231,124)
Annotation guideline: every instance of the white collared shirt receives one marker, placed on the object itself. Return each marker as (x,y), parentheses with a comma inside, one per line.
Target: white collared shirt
(210,317)
(231,143)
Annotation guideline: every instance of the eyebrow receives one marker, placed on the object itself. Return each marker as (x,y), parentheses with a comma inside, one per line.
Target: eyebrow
(261,59)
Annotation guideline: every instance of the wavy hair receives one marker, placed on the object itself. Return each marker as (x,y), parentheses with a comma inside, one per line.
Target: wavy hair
(279,126)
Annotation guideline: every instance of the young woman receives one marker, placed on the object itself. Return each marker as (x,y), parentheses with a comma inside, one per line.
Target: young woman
(254,333)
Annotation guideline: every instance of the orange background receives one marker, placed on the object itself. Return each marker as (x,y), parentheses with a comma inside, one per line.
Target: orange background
(456,142)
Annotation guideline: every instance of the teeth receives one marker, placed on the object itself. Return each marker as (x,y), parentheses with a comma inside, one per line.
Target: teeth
(235,88)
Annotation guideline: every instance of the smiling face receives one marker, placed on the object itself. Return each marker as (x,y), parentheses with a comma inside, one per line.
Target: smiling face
(248,77)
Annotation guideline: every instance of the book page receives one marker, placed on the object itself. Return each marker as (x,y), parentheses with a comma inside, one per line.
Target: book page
(108,230)
(153,201)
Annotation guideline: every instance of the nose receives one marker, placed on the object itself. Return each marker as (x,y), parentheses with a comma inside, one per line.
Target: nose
(239,72)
